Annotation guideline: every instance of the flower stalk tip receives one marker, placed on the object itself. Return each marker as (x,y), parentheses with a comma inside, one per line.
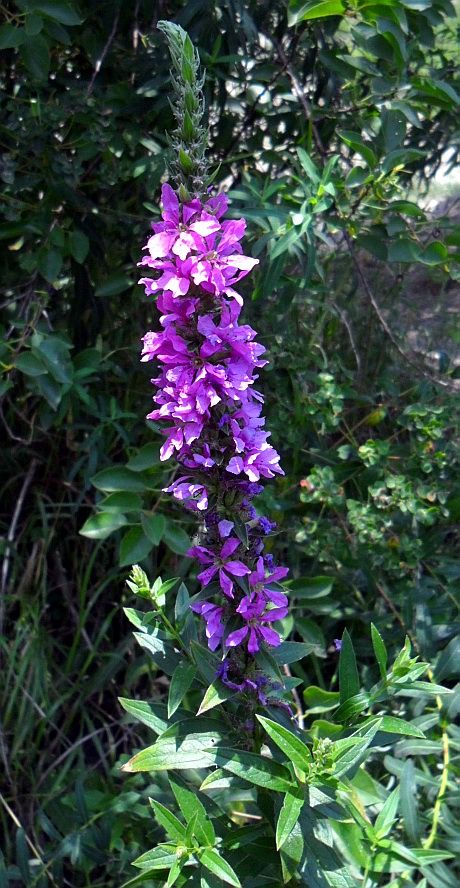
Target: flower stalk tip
(188,142)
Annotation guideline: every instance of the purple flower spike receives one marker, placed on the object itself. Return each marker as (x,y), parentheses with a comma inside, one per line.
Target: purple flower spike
(206,397)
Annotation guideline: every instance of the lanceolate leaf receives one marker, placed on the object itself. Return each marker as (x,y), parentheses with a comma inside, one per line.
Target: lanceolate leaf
(216,693)
(348,672)
(161,857)
(292,746)
(254,768)
(288,816)
(300,11)
(173,826)
(162,653)
(291,852)
(379,650)
(190,805)
(152,715)
(400,726)
(182,679)
(169,752)
(212,860)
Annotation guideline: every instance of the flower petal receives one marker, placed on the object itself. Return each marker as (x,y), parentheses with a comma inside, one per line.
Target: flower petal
(236,637)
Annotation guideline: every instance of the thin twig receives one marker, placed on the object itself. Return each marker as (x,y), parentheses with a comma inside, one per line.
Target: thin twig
(33,848)
(104,52)
(299,91)
(296,698)
(11,534)
(346,323)
(383,321)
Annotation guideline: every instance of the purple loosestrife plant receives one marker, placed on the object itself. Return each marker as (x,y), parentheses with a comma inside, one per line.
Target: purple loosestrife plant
(206,395)
(308,815)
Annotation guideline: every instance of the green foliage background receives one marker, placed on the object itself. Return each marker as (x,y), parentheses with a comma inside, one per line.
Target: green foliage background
(327,118)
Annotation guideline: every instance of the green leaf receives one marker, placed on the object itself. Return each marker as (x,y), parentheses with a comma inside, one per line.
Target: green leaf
(355,142)
(400,726)
(408,802)
(55,355)
(169,821)
(122,501)
(291,852)
(153,526)
(403,250)
(34,24)
(22,857)
(357,176)
(309,587)
(147,713)
(30,364)
(49,261)
(420,688)
(59,10)
(374,245)
(300,11)
(175,871)
(309,167)
(346,758)
(317,700)
(406,208)
(288,816)
(292,651)
(171,752)
(101,525)
(434,254)
(162,857)
(181,680)
(216,694)
(287,240)
(35,54)
(116,283)
(206,661)
(348,672)
(51,390)
(162,653)
(175,538)
(119,478)
(448,662)
(11,36)
(295,749)
(190,805)
(212,860)
(79,245)
(379,650)
(352,708)
(147,458)
(134,546)
(387,815)
(254,768)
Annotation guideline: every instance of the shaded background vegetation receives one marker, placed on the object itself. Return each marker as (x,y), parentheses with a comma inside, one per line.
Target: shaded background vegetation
(325,130)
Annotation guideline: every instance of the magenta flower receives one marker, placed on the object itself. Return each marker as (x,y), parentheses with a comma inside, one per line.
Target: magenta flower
(195,496)
(252,610)
(220,263)
(261,585)
(222,563)
(214,626)
(178,235)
